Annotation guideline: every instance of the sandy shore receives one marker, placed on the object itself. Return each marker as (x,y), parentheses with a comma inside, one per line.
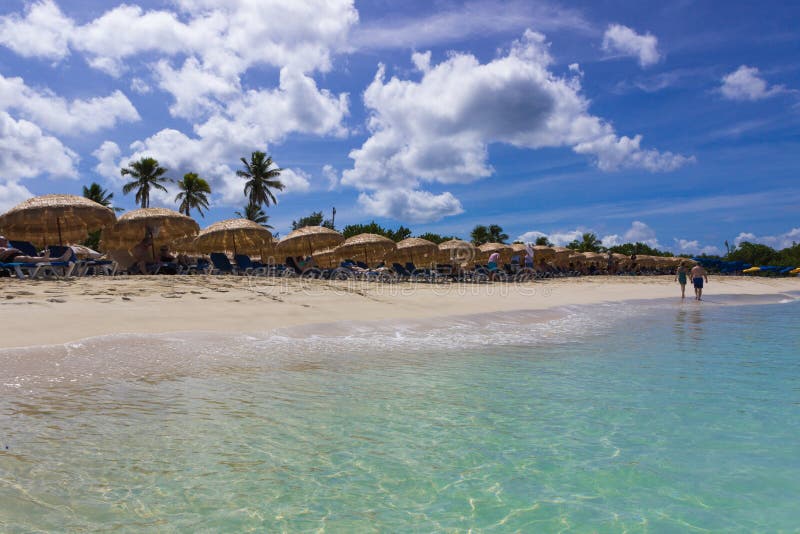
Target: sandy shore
(58,311)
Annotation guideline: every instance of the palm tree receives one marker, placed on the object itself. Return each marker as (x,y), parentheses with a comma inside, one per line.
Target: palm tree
(491,234)
(148,175)
(254,213)
(260,179)
(193,194)
(98,194)
(588,243)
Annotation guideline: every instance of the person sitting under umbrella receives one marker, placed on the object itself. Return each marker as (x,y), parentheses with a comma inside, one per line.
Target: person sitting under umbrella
(9,254)
(141,252)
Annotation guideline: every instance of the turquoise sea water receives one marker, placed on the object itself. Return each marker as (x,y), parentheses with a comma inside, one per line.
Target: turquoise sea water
(659,416)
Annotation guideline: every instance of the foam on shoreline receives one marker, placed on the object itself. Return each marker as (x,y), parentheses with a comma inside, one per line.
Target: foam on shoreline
(167,356)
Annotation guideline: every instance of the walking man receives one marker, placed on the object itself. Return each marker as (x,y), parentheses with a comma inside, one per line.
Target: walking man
(698,274)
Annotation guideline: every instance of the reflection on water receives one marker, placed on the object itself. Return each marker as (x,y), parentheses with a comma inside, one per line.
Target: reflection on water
(688,326)
(585,423)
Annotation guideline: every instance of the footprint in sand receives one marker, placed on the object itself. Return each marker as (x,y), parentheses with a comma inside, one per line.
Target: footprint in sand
(170,296)
(126,298)
(56,300)
(204,298)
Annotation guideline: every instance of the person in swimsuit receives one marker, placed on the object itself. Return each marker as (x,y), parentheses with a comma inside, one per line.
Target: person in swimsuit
(680,277)
(698,274)
(142,252)
(493,258)
(9,254)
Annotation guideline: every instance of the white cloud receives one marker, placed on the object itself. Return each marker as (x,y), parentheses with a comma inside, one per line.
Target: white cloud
(622,40)
(26,152)
(228,37)
(514,99)
(613,153)
(295,181)
(639,232)
(576,68)
(43,32)
(11,194)
(745,83)
(612,240)
(471,18)
(410,205)
(64,117)
(330,174)
(140,86)
(558,238)
(686,246)
(108,164)
(778,242)
(195,88)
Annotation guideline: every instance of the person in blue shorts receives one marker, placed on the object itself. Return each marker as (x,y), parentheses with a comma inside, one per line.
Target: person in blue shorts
(698,275)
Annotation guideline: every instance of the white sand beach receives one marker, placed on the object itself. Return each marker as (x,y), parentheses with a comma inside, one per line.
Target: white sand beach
(45,312)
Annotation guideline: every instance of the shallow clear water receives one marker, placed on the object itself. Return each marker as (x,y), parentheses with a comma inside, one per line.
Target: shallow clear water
(638,417)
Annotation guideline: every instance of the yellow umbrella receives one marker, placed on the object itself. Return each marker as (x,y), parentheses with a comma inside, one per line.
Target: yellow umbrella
(370,246)
(304,241)
(51,219)
(414,249)
(165,225)
(457,251)
(239,235)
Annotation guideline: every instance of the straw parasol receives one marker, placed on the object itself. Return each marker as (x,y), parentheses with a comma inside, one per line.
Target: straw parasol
(596,256)
(561,255)
(166,226)
(414,249)
(51,219)
(519,248)
(543,252)
(304,241)
(327,258)
(239,235)
(368,246)
(487,249)
(457,251)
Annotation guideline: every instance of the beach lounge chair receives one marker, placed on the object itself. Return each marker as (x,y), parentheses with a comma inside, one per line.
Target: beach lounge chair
(83,266)
(221,264)
(34,270)
(401,272)
(248,266)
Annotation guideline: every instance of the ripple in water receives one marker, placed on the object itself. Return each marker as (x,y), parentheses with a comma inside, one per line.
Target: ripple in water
(637,417)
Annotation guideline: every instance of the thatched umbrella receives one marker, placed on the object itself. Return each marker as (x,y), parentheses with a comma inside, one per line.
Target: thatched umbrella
(327,258)
(543,253)
(51,219)
(368,246)
(457,251)
(414,249)
(304,241)
(166,226)
(239,235)
(596,257)
(561,256)
(487,249)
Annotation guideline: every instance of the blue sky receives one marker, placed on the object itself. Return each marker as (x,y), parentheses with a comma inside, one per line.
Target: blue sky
(670,123)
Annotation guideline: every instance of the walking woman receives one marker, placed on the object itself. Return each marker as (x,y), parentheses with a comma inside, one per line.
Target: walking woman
(680,277)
